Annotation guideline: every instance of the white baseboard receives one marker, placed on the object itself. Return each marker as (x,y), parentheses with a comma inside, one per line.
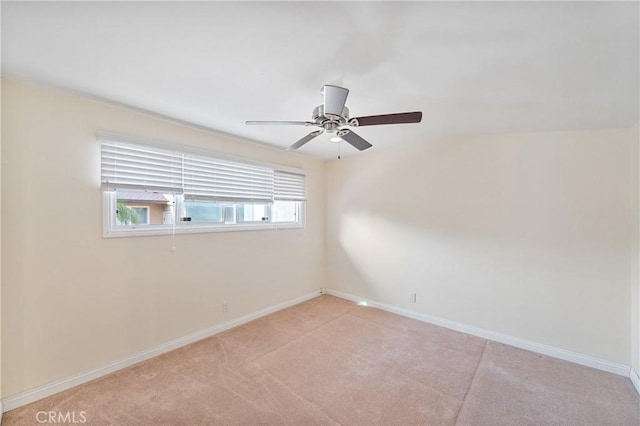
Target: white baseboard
(32,395)
(635,379)
(589,361)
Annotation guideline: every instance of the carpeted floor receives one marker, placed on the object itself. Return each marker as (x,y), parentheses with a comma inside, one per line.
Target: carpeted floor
(329,361)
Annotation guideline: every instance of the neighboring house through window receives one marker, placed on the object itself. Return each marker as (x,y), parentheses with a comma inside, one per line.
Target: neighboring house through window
(148,208)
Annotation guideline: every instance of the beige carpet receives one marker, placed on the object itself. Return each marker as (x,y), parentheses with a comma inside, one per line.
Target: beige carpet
(329,361)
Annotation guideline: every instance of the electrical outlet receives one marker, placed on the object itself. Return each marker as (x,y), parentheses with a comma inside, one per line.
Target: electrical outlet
(225,307)
(412,297)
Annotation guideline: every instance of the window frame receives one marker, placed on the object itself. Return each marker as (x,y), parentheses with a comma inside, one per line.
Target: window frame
(112,230)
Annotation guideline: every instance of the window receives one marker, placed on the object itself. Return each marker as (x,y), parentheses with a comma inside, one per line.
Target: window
(150,190)
(203,212)
(253,212)
(142,212)
(285,211)
(143,208)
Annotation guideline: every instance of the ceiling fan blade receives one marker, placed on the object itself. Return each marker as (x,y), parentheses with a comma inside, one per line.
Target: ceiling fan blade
(293,123)
(399,118)
(334,99)
(354,140)
(304,140)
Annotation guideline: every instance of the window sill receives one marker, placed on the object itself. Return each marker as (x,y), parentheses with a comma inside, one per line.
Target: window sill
(143,231)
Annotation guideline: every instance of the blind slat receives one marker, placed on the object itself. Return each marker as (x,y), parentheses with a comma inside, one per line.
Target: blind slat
(141,167)
(288,186)
(126,166)
(221,179)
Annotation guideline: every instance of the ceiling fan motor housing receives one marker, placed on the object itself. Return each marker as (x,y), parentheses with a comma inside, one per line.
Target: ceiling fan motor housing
(330,123)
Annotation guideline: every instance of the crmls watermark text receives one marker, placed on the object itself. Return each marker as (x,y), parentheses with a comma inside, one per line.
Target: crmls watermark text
(61,417)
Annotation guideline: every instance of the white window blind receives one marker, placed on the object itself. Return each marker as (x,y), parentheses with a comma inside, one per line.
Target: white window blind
(127,166)
(208,178)
(288,186)
(198,177)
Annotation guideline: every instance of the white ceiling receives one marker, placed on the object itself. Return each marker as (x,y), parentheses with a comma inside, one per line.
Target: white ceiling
(472,67)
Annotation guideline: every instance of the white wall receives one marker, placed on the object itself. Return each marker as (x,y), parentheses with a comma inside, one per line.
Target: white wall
(526,234)
(531,235)
(73,301)
(1,409)
(635,254)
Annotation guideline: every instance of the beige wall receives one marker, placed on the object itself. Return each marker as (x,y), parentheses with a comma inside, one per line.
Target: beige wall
(635,254)
(531,235)
(526,234)
(73,301)
(0,251)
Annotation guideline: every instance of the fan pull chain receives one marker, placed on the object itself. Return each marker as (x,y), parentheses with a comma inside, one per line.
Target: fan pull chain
(339,149)
(173,236)
(174,214)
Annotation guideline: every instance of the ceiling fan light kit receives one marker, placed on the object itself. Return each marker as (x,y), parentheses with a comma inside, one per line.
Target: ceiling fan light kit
(333,117)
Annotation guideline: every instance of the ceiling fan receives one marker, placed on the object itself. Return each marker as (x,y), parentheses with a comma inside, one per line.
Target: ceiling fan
(333,117)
